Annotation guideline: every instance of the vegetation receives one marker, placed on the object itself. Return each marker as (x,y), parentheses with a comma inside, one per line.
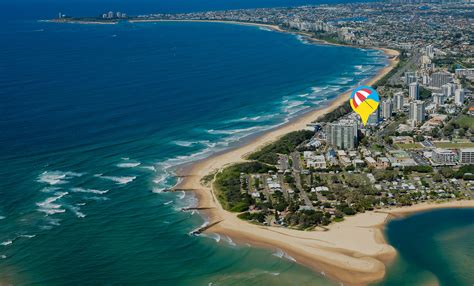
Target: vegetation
(227,185)
(336,113)
(424,93)
(419,169)
(285,145)
(383,81)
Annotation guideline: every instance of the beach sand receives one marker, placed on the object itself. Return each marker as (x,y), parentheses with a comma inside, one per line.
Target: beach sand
(353,251)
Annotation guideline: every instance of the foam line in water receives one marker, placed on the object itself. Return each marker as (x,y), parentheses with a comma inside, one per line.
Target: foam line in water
(56,177)
(89,191)
(119,180)
(128,165)
(281,254)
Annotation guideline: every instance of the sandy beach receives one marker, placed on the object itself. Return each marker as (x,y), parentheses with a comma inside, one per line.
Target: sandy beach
(353,252)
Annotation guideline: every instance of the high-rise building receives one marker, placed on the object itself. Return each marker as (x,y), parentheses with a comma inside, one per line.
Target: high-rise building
(414,91)
(411,79)
(342,134)
(459,97)
(447,90)
(398,101)
(119,15)
(110,15)
(408,76)
(438,79)
(466,156)
(417,111)
(387,109)
(438,99)
(425,79)
(429,51)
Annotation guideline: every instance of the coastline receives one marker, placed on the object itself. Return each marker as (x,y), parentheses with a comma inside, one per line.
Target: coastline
(354,251)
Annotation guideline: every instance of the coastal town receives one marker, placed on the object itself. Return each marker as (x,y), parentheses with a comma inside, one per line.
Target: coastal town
(417,146)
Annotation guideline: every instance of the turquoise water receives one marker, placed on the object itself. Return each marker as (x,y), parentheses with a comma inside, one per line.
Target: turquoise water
(95,120)
(435,247)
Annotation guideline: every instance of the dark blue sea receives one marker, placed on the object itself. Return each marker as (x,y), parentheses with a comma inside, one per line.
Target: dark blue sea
(95,120)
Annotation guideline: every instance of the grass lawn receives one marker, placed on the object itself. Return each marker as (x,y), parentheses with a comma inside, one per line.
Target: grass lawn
(465,121)
(408,146)
(454,145)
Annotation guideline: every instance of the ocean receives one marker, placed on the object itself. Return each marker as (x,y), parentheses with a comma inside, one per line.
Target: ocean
(96,119)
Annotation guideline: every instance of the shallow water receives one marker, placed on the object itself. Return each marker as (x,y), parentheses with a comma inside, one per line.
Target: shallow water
(435,247)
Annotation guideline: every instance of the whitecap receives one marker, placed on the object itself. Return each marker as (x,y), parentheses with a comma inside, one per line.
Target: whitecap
(49,189)
(215,236)
(27,235)
(2,217)
(7,242)
(233,131)
(158,190)
(229,240)
(91,191)
(151,168)
(77,211)
(168,202)
(119,180)
(51,211)
(49,206)
(281,254)
(257,118)
(182,195)
(54,222)
(194,232)
(184,143)
(56,177)
(128,165)
(95,198)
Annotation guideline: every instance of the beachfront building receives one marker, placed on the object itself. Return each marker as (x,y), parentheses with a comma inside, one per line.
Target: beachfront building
(466,156)
(342,134)
(417,111)
(414,91)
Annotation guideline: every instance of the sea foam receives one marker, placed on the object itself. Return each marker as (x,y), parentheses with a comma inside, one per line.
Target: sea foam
(56,177)
(119,180)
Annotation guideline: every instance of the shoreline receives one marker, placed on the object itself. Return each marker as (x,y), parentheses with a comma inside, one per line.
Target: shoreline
(353,251)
